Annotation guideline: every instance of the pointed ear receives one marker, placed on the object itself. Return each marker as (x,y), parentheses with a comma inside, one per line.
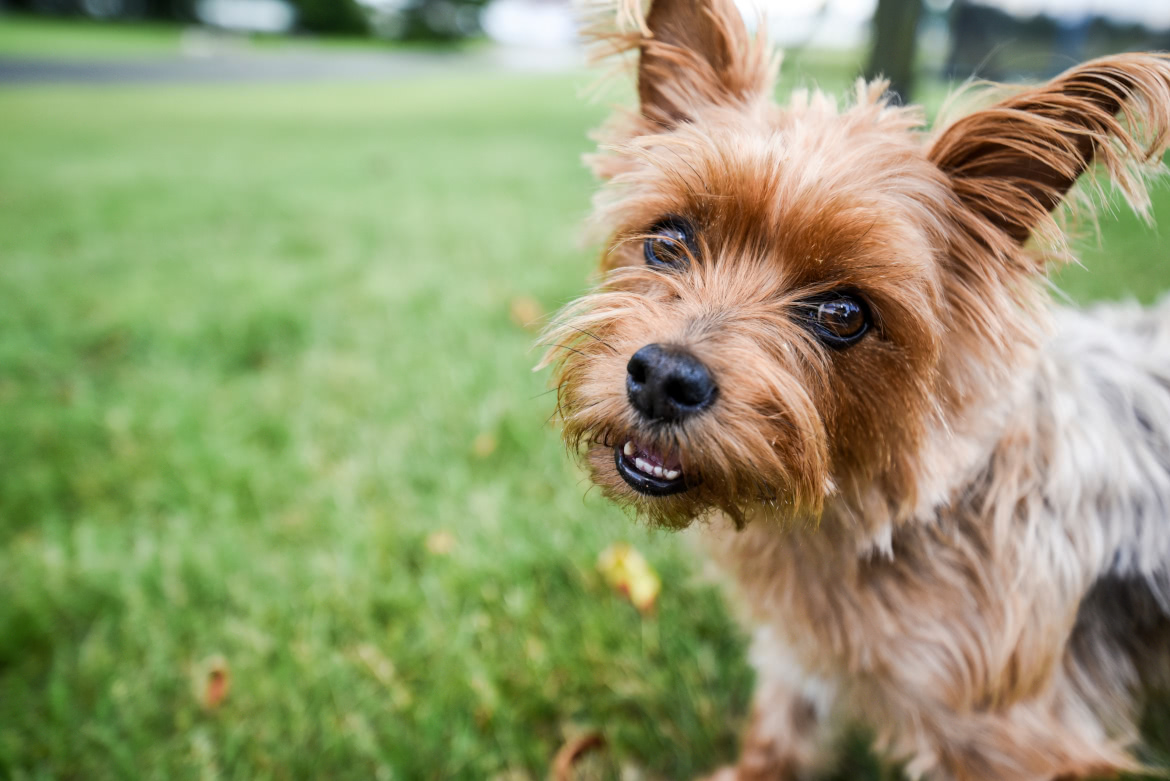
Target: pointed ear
(1013,163)
(691,53)
(698,52)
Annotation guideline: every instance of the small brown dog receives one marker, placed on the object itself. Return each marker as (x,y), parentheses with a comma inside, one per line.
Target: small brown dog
(826,334)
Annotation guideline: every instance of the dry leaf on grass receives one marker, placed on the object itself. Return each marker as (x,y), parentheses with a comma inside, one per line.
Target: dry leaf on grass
(215,682)
(440,543)
(626,570)
(484,445)
(572,751)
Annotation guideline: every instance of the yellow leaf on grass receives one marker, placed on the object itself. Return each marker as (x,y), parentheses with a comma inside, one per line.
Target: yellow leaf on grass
(440,543)
(626,570)
(484,445)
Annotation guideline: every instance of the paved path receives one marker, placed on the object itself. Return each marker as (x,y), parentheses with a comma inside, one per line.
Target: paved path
(277,67)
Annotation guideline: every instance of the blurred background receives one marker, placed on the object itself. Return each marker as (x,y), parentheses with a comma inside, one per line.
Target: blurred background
(279,496)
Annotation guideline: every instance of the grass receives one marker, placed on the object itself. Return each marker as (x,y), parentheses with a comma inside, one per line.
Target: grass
(255,352)
(249,340)
(30,36)
(77,38)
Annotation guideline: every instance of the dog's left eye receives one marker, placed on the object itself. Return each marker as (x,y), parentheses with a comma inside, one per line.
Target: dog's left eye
(838,319)
(668,243)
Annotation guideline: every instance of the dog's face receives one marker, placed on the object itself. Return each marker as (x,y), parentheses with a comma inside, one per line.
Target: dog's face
(782,285)
(772,294)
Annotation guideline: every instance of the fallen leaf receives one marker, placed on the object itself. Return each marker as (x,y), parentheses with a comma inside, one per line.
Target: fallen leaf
(440,543)
(484,445)
(526,312)
(216,682)
(626,570)
(572,751)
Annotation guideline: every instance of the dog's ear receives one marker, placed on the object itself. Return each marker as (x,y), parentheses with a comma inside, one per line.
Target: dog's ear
(1013,163)
(698,52)
(691,53)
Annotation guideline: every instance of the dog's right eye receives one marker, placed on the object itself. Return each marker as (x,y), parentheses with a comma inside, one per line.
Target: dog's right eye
(838,319)
(669,243)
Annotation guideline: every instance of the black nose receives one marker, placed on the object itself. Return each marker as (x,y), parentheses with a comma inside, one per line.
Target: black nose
(666,382)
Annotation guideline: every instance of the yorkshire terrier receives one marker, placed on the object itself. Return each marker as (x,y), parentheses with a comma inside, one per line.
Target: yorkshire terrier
(828,336)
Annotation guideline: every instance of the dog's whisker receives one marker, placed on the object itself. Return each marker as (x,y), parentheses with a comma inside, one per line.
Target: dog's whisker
(573,350)
(586,333)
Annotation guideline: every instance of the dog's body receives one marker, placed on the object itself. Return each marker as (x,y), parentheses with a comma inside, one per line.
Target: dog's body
(1006,632)
(946,506)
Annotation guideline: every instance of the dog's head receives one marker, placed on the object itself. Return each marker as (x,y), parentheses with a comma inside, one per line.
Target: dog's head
(793,296)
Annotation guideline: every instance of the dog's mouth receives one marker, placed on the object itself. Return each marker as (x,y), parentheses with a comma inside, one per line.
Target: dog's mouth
(649,472)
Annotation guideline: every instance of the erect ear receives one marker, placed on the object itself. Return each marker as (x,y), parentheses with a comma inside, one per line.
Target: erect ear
(698,52)
(1013,163)
(692,53)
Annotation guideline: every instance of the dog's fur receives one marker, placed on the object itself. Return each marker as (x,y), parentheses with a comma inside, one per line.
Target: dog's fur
(957,530)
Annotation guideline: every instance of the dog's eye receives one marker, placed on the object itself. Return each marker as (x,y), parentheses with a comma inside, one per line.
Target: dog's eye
(668,242)
(838,319)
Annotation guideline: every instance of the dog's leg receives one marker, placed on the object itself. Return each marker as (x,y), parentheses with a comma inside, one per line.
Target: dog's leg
(782,741)
(789,730)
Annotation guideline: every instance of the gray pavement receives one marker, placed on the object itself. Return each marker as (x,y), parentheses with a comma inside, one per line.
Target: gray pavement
(297,66)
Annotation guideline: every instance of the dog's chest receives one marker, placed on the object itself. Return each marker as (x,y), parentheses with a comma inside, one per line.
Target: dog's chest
(844,615)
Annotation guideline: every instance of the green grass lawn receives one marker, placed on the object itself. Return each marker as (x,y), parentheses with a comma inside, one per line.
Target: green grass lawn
(73,38)
(255,349)
(29,36)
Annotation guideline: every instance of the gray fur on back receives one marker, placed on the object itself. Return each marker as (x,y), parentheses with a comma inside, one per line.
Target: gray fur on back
(1109,391)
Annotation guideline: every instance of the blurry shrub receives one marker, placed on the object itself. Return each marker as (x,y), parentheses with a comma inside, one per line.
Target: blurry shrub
(428,20)
(109,9)
(339,17)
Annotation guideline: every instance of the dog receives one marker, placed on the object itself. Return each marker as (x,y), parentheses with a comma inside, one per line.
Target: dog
(827,336)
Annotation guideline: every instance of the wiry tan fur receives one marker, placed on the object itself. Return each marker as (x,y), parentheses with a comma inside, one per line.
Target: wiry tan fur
(957,530)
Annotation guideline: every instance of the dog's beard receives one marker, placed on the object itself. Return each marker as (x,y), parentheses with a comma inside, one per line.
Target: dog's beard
(761,447)
(702,494)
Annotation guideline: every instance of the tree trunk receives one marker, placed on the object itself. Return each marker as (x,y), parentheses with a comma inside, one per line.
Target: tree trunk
(895,41)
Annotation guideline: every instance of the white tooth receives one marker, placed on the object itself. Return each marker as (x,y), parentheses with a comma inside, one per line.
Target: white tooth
(642,465)
(671,474)
(628,449)
(658,471)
